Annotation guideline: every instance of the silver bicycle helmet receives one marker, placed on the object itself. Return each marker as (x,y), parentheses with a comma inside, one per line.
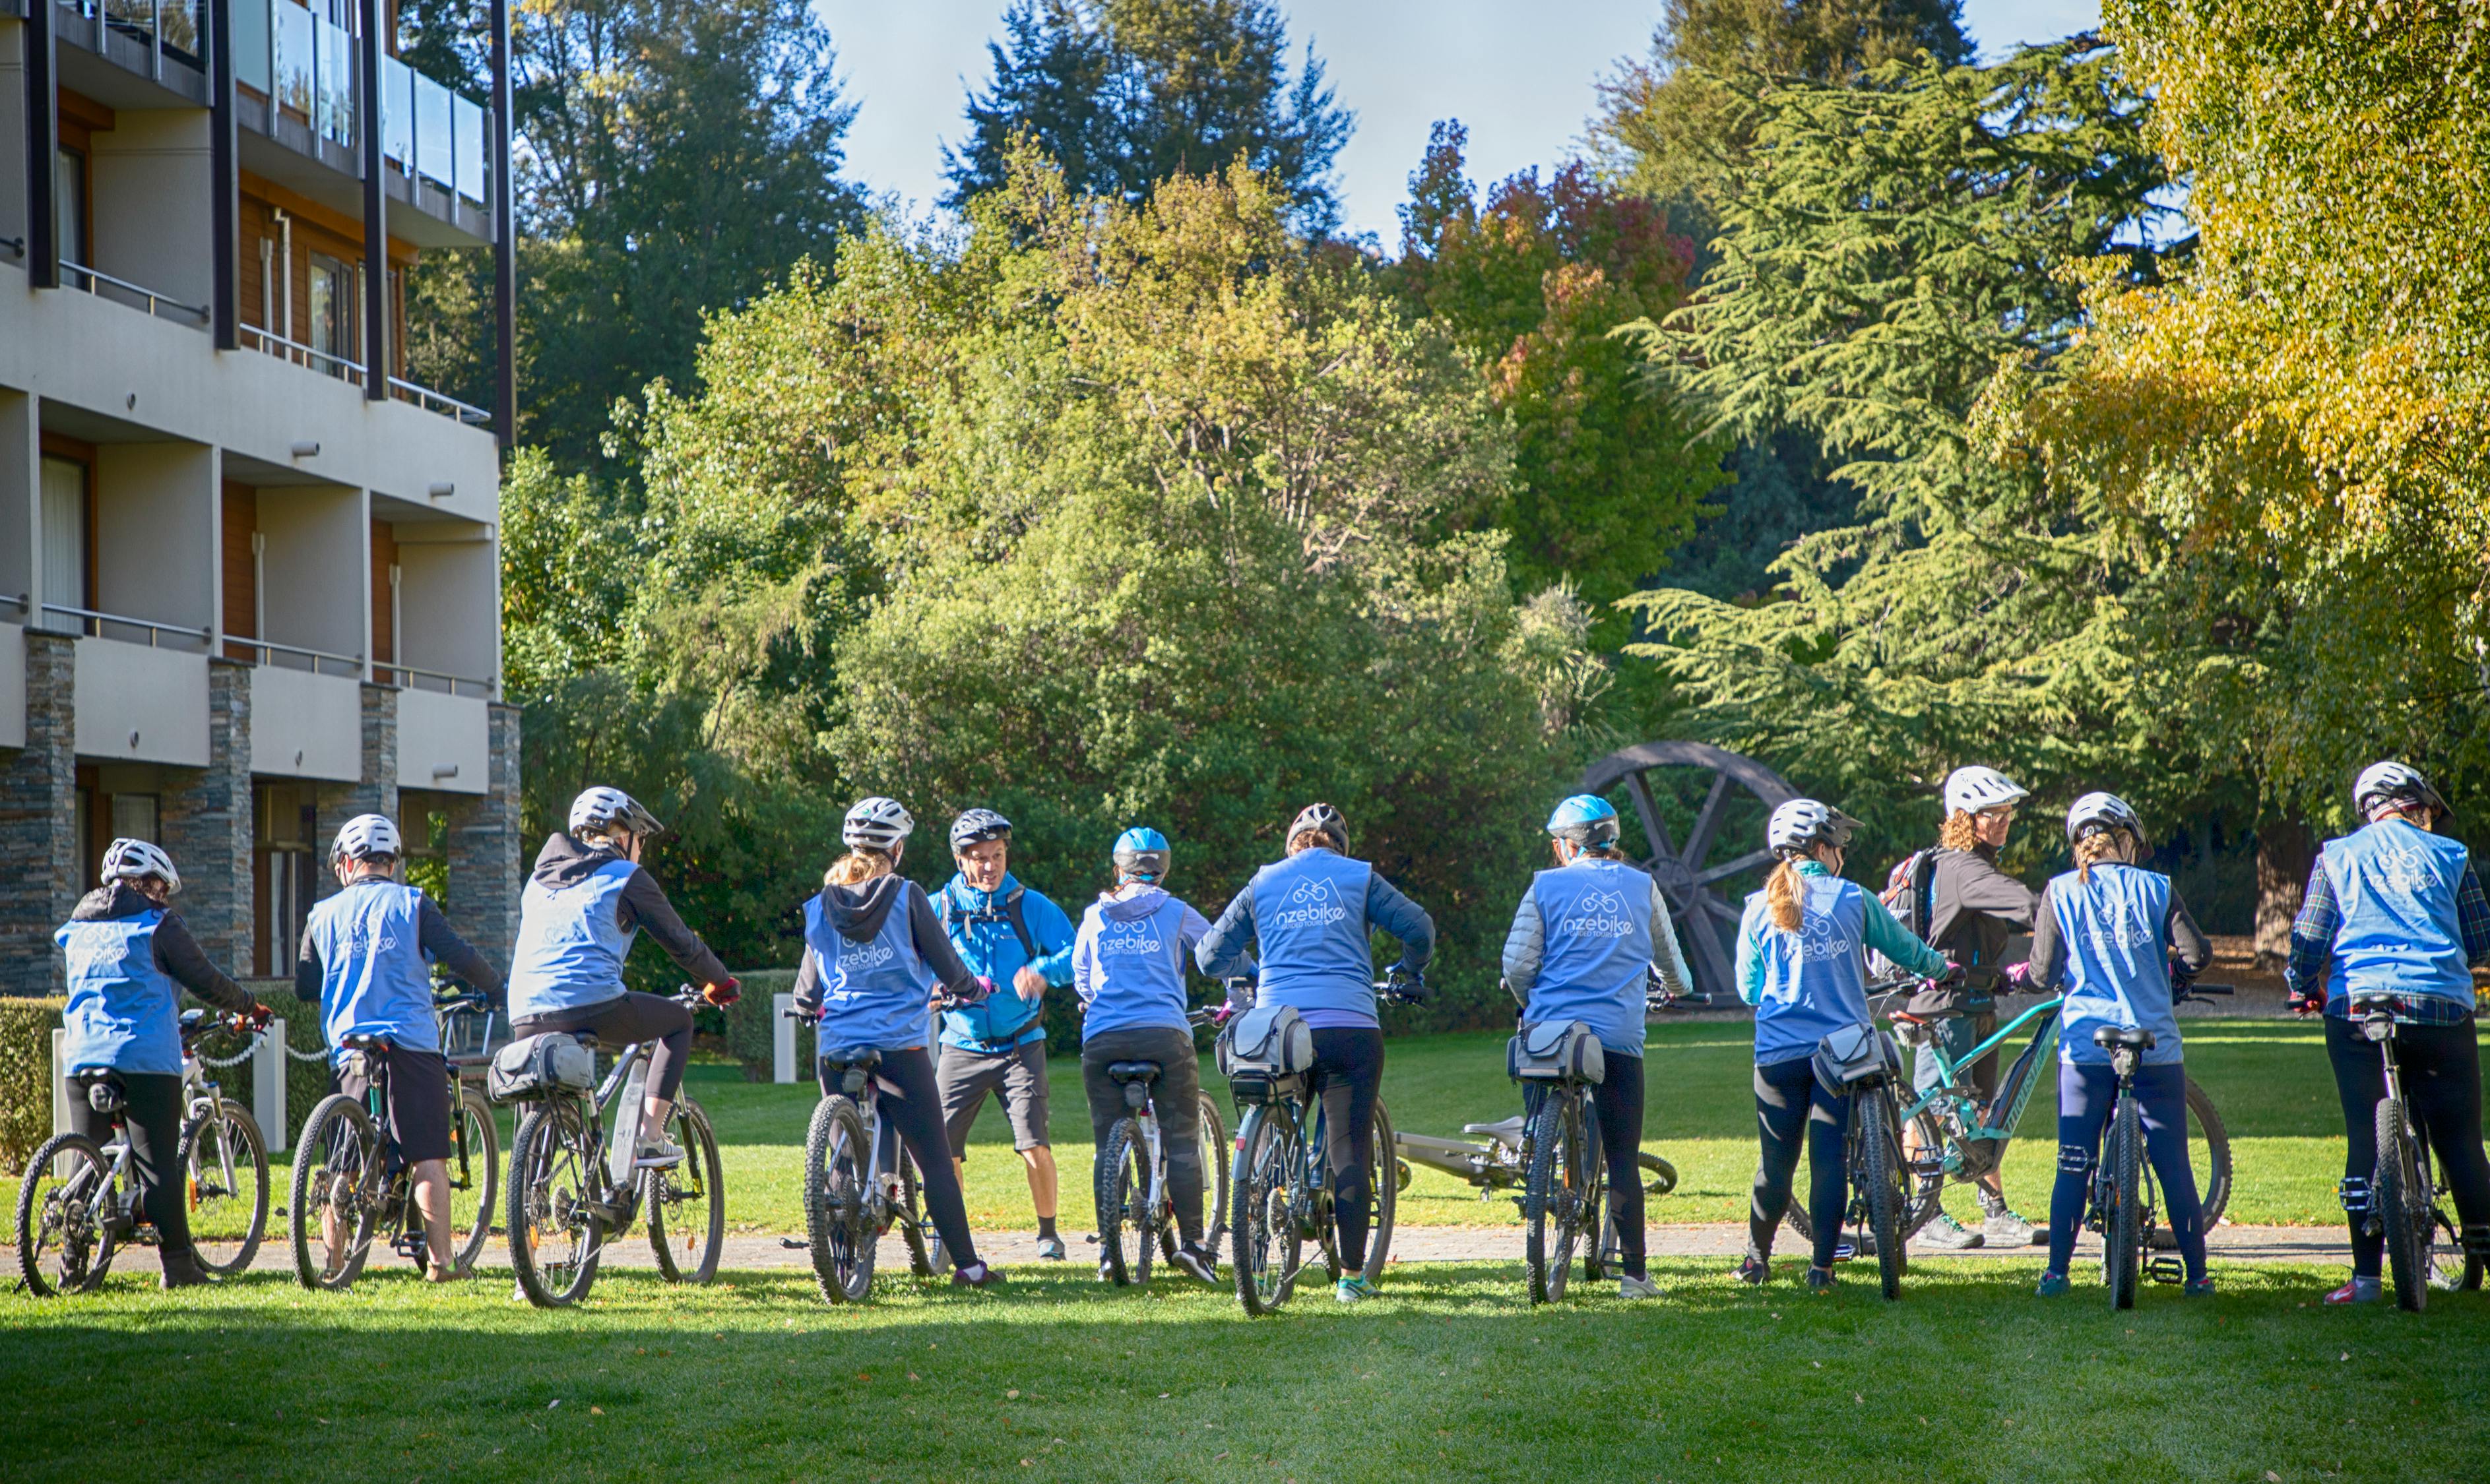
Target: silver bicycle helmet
(365,836)
(1322,820)
(2101,814)
(1802,824)
(1974,790)
(2382,783)
(976,826)
(131,860)
(602,810)
(877,823)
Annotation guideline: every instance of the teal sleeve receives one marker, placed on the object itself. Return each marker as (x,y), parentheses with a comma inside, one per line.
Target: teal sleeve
(1751,959)
(1894,941)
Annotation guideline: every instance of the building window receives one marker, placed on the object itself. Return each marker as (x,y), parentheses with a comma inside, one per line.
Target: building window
(136,817)
(332,330)
(68,510)
(70,208)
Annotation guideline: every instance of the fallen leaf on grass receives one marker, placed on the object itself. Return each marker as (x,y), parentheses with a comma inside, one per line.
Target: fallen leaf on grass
(1012,1396)
(596,1411)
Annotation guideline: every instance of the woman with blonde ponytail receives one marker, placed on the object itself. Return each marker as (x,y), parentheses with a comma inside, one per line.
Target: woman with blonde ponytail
(1803,964)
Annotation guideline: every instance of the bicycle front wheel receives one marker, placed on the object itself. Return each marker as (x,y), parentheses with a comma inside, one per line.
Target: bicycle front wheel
(1882,1184)
(687,1204)
(1262,1229)
(1122,1181)
(2399,1201)
(475,1177)
(62,1201)
(226,1161)
(2123,1226)
(335,1197)
(1549,1200)
(556,1231)
(838,1162)
(1384,1186)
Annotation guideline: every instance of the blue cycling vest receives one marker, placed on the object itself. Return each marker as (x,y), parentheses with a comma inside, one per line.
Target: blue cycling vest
(1596,937)
(374,979)
(873,994)
(2395,886)
(1309,923)
(571,943)
(2118,961)
(1136,970)
(1815,979)
(123,1011)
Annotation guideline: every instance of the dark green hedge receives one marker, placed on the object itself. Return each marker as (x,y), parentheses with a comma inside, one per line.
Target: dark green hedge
(26,1029)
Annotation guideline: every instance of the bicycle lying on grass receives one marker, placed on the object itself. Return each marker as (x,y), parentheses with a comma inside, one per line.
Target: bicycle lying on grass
(78,1205)
(1131,1176)
(575,1184)
(2424,1249)
(351,1180)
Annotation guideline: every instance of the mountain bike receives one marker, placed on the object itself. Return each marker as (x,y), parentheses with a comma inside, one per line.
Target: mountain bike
(1131,1176)
(352,1181)
(2123,1187)
(2424,1249)
(858,1182)
(1281,1185)
(1872,1152)
(78,1204)
(575,1184)
(1956,1136)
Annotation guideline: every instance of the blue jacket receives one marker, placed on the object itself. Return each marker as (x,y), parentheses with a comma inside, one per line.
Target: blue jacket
(979,925)
(1313,914)
(1128,963)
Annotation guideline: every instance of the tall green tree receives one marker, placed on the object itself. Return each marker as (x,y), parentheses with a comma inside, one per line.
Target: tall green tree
(1528,284)
(1123,94)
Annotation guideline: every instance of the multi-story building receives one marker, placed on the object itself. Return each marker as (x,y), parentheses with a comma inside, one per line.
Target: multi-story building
(250,575)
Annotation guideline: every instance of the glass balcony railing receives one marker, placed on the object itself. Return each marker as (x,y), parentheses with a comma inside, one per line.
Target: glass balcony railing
(170,28)
(305,62)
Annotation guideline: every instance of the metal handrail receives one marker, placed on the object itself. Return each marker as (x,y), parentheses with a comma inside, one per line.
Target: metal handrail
(269,646)
(301,354)
(452,681)
(153,298)
(155,630)
(424,396)
(18,601)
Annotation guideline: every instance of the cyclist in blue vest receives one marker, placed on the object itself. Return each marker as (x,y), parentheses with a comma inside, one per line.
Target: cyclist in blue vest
(129,957)
(584,905)
(1016,940)
(873,956)
(1801,963)
(1313,914)
(1128,969)
(1584,942)
(2110,931)
(2395,907)
(366,962)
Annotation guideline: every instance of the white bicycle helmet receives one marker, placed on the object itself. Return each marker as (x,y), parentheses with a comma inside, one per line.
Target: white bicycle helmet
(602,810)
(1973,790)
(877,823)
(2101,814)
(1802,824)
(2382,783)
(1322,820)
(365,836)
(130,860)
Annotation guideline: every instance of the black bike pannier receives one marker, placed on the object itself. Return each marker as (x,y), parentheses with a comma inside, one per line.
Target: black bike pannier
(1555,1051)
(540,1066)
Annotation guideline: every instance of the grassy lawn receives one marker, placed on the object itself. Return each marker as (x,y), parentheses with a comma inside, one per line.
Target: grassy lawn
(1449,1375)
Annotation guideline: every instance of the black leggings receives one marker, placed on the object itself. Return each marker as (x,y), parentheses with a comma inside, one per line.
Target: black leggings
(1349,1075)
(1789,1101)
(627,1018)
(1616,1120)
(911,1104)
(2441,1077)
(2087,1097)
(152,1111)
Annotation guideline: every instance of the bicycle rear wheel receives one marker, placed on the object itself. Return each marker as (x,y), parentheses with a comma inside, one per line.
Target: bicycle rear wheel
(1552,1198)
(2122,1224)
(475,1177)
(1120,1182)
(335,1195)
(687,1204)
(1384,1186)
(62,1202)
(2209,1155)
(556,1233)
(1213,1140)
(838,1201)
(2400,1201)
(1262,1229)
(225,1162)
(1882,1184)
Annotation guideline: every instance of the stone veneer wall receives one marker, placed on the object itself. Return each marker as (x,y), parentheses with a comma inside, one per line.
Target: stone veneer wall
(376,794)
(208,826)
(484,847)
(39,822)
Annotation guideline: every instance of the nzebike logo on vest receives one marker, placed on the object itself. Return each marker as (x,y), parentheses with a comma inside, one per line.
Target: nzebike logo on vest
(91,958)
(1310,905)
(2403,872)
(865,958)
(1819,942)
(2120,927)
(1133,938)
(1599,915)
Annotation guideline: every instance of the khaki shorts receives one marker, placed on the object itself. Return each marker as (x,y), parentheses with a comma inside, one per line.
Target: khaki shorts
(965,1077)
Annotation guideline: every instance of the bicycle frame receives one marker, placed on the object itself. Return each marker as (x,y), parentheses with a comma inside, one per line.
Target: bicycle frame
(1948,1094)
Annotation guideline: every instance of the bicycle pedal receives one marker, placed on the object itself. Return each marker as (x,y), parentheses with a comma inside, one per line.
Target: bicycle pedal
(793,1243)
(2167,1270)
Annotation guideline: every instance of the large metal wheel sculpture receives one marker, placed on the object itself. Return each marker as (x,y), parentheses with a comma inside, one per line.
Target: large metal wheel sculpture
(1690,873)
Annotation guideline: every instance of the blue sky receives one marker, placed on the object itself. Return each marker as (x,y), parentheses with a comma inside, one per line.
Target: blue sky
(1520,75)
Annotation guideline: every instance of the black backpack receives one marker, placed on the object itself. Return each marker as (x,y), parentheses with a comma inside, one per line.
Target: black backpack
(1909,888)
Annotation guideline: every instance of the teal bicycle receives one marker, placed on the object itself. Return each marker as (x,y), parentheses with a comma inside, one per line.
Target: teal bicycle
(1953,1136)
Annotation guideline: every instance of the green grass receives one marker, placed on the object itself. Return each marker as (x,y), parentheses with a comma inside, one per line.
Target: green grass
(1448,1376)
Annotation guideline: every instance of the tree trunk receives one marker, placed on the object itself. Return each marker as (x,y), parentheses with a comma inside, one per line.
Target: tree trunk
(2284,854)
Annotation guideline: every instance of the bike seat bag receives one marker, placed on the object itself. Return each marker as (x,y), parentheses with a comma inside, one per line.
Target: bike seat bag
(852,1067)
(537,1066)
(1855,1054)
(1555,1051)
(1262,1047)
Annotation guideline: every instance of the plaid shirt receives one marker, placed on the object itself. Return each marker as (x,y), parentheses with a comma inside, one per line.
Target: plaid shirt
(2312,944)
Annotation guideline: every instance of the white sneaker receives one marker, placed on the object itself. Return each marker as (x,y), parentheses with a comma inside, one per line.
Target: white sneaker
(1631,1286)
(659,1154)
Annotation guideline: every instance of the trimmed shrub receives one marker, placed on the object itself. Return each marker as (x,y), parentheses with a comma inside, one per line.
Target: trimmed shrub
(750,1033)
(26,1027)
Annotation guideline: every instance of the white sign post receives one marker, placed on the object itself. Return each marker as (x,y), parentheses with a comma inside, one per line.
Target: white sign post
(268,1088)
(782,1039)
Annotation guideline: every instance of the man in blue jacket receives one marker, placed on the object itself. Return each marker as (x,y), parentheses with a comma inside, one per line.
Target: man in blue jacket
(1017,939)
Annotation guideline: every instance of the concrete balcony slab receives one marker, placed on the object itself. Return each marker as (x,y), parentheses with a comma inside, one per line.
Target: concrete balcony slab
(140,704)
(443,742)
(305,726)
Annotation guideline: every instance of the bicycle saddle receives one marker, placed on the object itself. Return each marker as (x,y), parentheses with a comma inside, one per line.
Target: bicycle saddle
(102,1090)
(1133,1072)
(862,1058)
(2109,1037)
(364,1044)
(2365,1005)
(1509,1129)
